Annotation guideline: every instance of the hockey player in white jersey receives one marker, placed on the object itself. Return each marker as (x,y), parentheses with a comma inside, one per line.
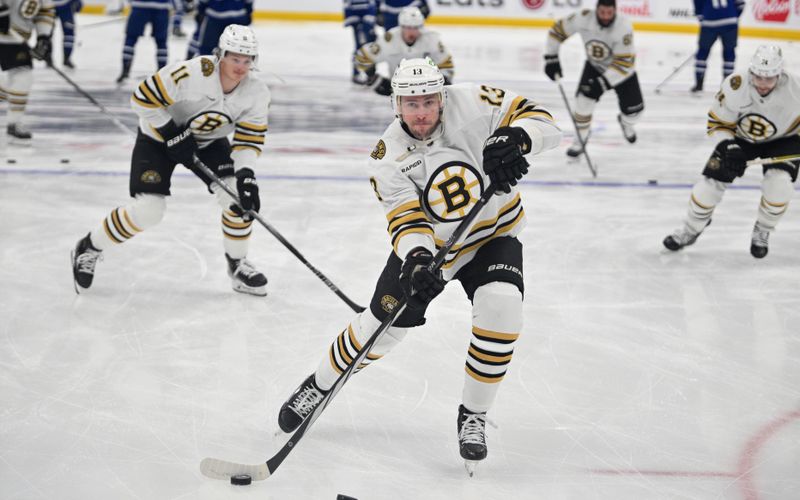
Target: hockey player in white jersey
(189,109)
(18,19)
(429,168)
(754,115)
(409,40)
(610,56)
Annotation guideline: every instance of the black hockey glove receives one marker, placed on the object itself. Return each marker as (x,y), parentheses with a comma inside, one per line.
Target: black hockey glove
(76,6)
(189,6)
(503,159)
(379,18)
(5,19)
(44,49)
(384,86)
(180,143)
(595,87)
(552,67)
(426,11)
(419,285)
(247,189)
(731,157)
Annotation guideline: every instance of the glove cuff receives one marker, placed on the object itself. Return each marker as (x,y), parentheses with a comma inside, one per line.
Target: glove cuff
(245,172)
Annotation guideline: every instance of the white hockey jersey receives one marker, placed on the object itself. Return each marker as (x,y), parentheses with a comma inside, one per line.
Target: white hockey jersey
(190,93)
(739,110)
(25,15)
(392,49)
(607,49)
(427,187)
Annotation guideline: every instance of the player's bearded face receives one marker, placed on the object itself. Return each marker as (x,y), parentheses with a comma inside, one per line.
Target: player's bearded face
(235,66)
(764,84)
(421,114)
(410,35)
(605,14)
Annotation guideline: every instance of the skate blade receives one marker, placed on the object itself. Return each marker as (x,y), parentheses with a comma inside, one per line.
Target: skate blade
(259,291)
(471,465)
(75,284)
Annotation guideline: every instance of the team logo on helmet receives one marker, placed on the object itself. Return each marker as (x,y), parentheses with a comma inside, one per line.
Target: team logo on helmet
(452,190)
(756,127)
(208,121)
(597,50)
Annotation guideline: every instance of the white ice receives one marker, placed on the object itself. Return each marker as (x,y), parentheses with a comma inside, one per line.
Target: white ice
(640,374)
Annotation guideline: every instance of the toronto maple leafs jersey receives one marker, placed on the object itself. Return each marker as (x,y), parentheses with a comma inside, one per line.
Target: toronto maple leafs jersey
(428,187)
(609,49)
(24,16)
(739,110)
(392,49)
(190,93)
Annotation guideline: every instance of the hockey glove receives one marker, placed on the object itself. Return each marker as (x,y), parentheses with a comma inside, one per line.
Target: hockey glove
(44,49)
(419,285)
(180,143)
(76,6)
(247,189)
(595,87)
(503,159)
(552,67)
(384,86)
(379,19)
(5,19)
(731,157)
(426,11)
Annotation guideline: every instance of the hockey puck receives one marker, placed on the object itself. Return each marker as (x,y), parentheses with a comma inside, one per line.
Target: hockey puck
(652,182)
(241,479)
(11,160)
(64,160)
(345,497)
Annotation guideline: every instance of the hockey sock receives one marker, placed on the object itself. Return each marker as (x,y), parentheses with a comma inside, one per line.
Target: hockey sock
(496,323)
(776,191)
(18,86)
(235,229)
(123,223)
(584,107)
(706,194)
(347,344)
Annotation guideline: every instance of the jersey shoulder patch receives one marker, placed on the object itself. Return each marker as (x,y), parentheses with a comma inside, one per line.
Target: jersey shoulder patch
(379,152)
(585,12)
(736,82)
(206,66)
(387,36)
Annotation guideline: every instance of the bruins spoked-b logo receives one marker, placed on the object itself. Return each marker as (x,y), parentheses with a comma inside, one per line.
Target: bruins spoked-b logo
(756,127)
(209,121)
(150,177)
(452,190)
(597,50)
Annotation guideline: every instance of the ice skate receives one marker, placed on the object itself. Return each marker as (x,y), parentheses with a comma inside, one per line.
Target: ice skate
(300,404)
(245,278)
(178,32)
(19,133)
(576,148)
(68,64)
(471,438)
(627,129)
(682,237)
(84,260)
(123,77)
(759,242)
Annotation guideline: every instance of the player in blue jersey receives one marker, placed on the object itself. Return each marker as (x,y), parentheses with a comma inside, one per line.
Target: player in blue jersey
(212,18)
(65,10)
(144,12)
(388,10)
(182,7)
(718,19)
(360,15)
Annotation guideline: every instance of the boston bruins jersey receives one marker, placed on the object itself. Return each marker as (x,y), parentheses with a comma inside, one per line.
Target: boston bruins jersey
(25,15)
(392,49)
(190,94)
(428,187)
(739,110)
(609,49)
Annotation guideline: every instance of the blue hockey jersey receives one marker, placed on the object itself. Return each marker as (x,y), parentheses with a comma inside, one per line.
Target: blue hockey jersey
(714,13)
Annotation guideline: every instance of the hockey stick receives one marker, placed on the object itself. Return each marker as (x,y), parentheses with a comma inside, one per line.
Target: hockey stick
(673,74)
(575,124)
(776,159)
(103,23)
(87,95)
(199,165)
(222,469)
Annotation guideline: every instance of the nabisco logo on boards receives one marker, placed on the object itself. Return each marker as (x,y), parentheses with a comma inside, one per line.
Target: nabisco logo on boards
(774,11)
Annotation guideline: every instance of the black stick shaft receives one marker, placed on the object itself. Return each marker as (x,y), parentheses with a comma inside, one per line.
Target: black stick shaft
(577,132)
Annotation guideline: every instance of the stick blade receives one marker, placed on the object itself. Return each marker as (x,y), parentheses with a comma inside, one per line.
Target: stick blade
(222,469)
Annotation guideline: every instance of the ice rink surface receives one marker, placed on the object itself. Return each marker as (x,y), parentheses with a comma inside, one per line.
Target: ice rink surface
(640,374)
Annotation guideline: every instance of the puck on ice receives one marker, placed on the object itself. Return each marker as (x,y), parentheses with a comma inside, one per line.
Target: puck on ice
(64,160)
(652,182)
(344,497)
(11,160)
(241,480)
